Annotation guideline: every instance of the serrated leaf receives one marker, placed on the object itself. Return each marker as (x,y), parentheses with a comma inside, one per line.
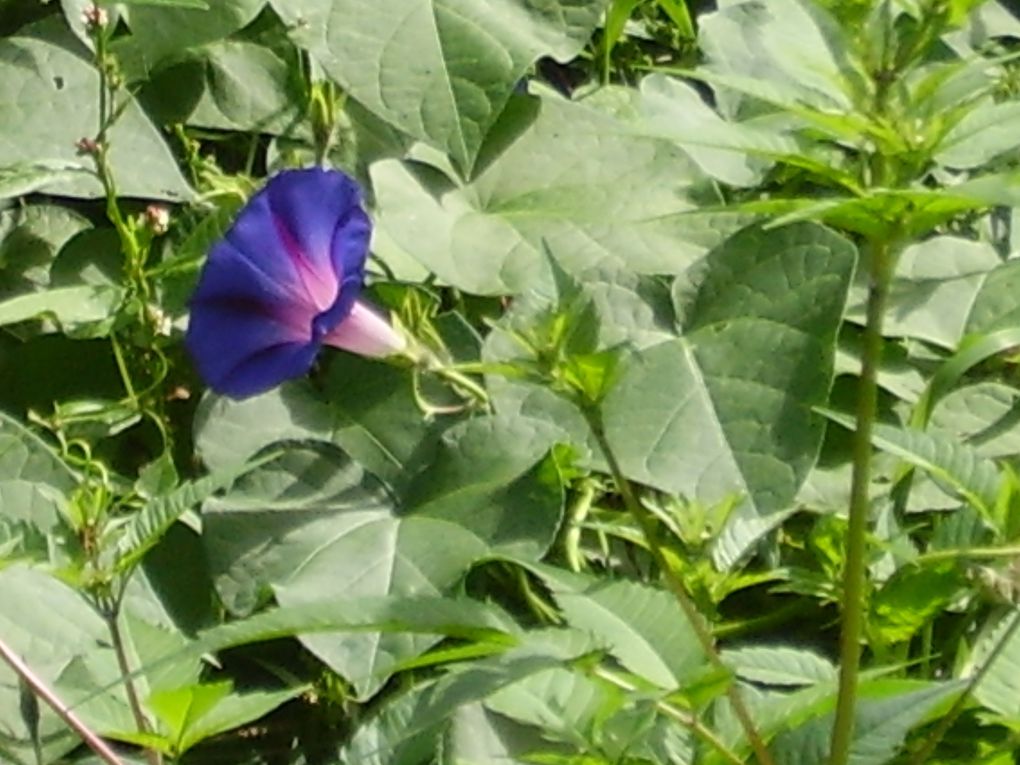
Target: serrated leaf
(236,710)
(178,709)
(999,688)
(974,477)
(467,619)
(779,665)
(641,626)
(911,598)
(147,526)
(477,735)
(413,723)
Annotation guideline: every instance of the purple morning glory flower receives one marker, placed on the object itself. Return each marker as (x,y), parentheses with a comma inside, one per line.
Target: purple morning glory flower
(283,282)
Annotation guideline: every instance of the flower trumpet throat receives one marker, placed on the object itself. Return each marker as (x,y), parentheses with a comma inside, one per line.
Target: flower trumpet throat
(285,280)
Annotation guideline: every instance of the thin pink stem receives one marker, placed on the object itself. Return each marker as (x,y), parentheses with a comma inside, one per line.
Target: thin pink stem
(39,688)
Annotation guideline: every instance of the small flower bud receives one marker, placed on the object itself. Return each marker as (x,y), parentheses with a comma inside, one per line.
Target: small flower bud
(180,393)
(94,17)
(161,323)
(87,145)
(157,218)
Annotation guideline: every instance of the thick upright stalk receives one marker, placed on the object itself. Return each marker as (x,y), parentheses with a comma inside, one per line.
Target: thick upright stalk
(646,522)
(854,565)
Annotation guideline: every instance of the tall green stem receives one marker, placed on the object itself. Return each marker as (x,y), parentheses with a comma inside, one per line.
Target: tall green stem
(646,522)
(119,649)
(860,508)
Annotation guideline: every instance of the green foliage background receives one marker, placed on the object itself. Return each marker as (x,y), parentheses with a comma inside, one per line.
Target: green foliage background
(661,236)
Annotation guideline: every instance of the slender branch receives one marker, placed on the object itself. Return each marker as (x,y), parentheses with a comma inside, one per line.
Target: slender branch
(141,721)
(854,566)
(463,383)
(681,716)
(40,689)
(975,553)
(125,374)
(646,522)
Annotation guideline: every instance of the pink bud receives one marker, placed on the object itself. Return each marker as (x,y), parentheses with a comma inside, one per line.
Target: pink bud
(94,17)
(87,146)
(157,218)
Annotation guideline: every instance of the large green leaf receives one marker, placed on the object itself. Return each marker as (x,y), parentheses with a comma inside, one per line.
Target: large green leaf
(726,409)
(406,731)
(369,411)
(87,310)
(997,304)
(51,101)
(477,735)
(912,597)
(228,432)
(985,132)
(161,31)
(935,289)
(632,311)
(35,485)
(27,177)
(31,236)
(146,527)
(983,415)
(313,522)
(440,70)
(785,52)
(248,87)
(630,208)
(732,152)
(582,715)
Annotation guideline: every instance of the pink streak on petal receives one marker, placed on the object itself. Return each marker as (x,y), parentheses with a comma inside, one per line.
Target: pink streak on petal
(320,284)
(366,333)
